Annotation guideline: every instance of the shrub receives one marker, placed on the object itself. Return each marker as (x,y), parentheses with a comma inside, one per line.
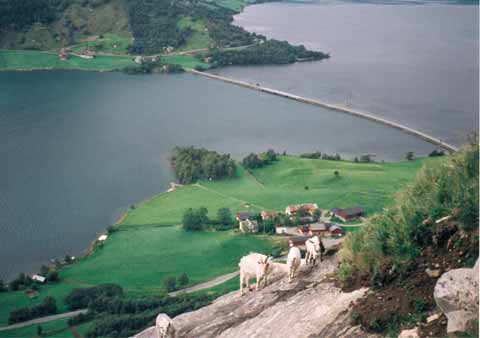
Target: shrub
(170,283)
(80,298)
(183,279)
(47,307)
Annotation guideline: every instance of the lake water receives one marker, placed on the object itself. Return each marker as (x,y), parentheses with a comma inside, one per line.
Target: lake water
(414,64)
(77,148)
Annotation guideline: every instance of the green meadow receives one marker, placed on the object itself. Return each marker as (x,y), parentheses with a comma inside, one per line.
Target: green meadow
(149,245)
(32,60)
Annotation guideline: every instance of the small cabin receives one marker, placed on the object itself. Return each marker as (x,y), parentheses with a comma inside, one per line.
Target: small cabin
(349,214)
(39,279)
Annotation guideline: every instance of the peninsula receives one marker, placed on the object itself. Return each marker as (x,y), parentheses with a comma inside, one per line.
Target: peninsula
(136,36)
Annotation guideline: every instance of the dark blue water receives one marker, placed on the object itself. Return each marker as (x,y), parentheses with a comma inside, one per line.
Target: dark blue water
(77,148)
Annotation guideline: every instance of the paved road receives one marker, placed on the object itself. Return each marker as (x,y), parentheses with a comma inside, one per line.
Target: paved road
(43,320)
(207,285)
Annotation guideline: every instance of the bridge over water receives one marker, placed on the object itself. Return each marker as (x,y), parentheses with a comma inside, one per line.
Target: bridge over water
(334,107)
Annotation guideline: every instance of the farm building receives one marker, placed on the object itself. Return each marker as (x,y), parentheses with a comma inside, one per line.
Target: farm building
(248,226)
(310,208)
(299,241)
(335,230)
(321,229)
(88,54)
(243,215)
(102,238)
(349,214)
(38,278)
(268,214)
(280,229)
(63,55)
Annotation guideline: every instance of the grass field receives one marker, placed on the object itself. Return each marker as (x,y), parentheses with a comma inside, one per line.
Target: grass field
(149,245)
(199,38)
(57,328)
(107,43)
(30,60)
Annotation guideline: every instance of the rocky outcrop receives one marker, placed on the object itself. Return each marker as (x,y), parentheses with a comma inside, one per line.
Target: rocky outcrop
(311,306)
(456,294)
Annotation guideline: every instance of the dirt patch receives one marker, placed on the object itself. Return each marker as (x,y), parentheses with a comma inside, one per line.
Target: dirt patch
(402,301)
(434,329)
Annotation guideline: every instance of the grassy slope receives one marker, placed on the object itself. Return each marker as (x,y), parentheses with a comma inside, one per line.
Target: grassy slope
(57,328)
(29,60)
(146,249)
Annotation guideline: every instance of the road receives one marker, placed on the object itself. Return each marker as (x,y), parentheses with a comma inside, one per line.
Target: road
(202,286)
(207,285)
(43,320)
(433,140)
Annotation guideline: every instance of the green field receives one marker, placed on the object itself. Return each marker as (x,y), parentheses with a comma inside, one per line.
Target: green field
(57,328)
(199,38)
(106,43)
(31,60)
(35,60)
(149,245)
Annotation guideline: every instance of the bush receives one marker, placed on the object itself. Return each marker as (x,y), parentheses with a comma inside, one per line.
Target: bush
(80,298)
(47,307)
(183,279)
(170,283)
(252,161)
(194,219)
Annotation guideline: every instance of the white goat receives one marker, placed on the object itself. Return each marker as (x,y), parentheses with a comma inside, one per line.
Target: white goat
(254,265)
(294,259)
(312,249)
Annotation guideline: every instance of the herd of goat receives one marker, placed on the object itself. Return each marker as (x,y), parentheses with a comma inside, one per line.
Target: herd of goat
(260,266)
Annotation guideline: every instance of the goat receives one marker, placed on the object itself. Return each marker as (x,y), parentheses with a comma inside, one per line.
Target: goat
(293,262)
(254,265)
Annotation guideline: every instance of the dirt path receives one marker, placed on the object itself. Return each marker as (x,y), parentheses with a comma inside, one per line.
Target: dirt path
(207,285)
(43,320)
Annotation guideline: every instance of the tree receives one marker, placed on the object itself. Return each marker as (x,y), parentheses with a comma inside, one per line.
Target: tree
(170,283)
(409,156)
(52,276)
(3,287)
(194,219)
(183,279)
(317,213)
(224,216)
(337,174)
(39,330)
(365,159)
(252,161)
(44,270)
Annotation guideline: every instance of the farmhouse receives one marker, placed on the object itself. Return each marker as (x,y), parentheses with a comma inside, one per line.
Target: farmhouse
(243,215)
(348,214)
(63,55)
(335,230)
(310,208)
(298,240)
(38,278)
(268,214)
(88,54)
(248,226)
(321,229)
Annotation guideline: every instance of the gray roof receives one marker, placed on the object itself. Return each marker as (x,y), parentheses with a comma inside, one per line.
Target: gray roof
(319,227)
(244,215)
(351,211)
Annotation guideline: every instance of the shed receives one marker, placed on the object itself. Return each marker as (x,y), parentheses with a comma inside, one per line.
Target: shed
(102,238)
(38,278)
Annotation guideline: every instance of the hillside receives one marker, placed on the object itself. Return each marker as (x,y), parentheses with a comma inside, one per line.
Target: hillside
(147,240)
(122,28)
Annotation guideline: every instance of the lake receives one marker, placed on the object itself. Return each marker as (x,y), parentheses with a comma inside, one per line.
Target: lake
(79,148)
(416,64)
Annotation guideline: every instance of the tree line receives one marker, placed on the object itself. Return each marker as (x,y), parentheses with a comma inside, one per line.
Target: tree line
(269,52)
(192,164)
(253,161)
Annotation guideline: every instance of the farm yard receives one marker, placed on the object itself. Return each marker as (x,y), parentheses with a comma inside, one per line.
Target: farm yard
(149,245)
